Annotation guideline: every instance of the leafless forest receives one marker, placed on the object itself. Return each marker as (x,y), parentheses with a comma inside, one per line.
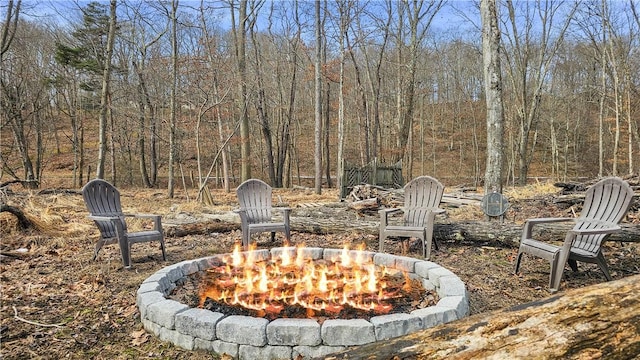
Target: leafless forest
(150,93)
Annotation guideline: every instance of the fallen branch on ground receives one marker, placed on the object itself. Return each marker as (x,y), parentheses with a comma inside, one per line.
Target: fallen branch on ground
(15,315)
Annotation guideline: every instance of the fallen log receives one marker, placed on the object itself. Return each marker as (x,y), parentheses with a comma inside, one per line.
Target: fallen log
(489,232)
(598,321)
(332,220)
(23,221)
(371,204)
(201,228)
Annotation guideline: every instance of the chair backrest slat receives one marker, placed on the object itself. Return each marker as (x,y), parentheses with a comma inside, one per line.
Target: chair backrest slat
(254,196)
(103,199)
(420,195)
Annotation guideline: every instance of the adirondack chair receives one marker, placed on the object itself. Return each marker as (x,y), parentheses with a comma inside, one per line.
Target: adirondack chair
(103,202)
(605,204)
(422,197)
(255,211)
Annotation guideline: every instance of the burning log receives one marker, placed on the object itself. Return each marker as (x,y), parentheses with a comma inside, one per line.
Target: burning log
(297,285)
(598,321)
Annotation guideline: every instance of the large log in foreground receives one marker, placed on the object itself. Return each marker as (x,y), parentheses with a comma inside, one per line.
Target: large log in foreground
(599,321)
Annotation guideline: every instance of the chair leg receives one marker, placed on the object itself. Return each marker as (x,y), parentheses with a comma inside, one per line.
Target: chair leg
(164,254)
(573,264)
(97,249)
(273,236)
(381,245)
(602,263)
(426,247)
(518,260)
(245,238)
(556,273)
(125,250)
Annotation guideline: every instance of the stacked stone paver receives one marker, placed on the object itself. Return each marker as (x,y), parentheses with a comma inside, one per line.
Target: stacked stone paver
(246,337)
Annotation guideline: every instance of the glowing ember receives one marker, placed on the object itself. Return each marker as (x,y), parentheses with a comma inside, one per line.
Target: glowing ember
(319,286)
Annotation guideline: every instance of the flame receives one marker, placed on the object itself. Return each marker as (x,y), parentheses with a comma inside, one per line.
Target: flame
(320,286)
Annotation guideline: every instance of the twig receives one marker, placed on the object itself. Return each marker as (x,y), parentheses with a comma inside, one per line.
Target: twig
(15,312)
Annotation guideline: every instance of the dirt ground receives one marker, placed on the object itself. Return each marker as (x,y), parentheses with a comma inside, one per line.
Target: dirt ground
(57,303)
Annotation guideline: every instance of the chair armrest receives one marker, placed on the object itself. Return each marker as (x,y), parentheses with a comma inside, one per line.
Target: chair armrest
(143,216)
(609,230)
(157,219)
(528,226)
(285,214)
(244,221)
(384,215)
(548,220)
(388,211)
(117,222)
(103,218)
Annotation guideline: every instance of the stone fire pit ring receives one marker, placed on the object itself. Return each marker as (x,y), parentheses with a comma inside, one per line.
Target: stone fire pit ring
(247,337)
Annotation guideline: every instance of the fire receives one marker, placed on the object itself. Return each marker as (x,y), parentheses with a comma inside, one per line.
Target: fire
(319,286)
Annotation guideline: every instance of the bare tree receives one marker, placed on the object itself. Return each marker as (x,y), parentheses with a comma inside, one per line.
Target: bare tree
(261,97)
(23,97)
(419,18)
(11,94)
(318,101)
(104,98)
(528,64)
(343,8)
(240,36)
(173,16)
(142,28)
(374,71)
(493,95)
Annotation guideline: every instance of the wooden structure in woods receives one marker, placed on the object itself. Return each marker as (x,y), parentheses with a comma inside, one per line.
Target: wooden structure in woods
(386,176)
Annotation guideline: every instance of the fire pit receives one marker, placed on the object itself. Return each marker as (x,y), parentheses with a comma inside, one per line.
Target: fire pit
(272,331)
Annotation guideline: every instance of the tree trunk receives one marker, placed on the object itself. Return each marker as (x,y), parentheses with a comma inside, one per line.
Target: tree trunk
(142,95)
(340,152)
(318,104)
(374,76)
(578,324)
(261,105)
(173,100)
(240,35)
(104,98)
(493,96)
